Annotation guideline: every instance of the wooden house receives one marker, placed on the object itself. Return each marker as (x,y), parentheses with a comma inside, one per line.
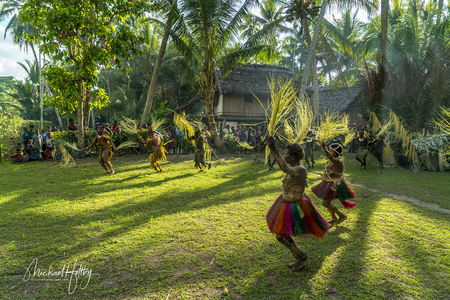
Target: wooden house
(242,96)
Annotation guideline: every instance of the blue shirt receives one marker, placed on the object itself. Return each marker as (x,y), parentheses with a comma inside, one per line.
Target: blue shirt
(34,155)
(24,135)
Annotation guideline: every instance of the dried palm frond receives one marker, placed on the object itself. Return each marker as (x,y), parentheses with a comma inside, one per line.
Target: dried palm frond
(303,120)
(376,125)
(348,138)
(129,125)
(444,120)
(283,96)
(385,127)
(289,132)
(183,124)
(68,145)
(407,144)
(127,144)
(246,145)
(333,125)
(389,156)
(208,151)
(65,155)
(156,123)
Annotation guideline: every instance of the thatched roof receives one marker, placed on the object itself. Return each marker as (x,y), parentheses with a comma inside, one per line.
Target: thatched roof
(245,79)
(334,100)
(248,79)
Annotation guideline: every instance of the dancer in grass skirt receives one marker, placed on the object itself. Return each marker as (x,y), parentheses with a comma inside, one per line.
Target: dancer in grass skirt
(106,153)
(199,156)
(292,213)
(158,150)
(333,184)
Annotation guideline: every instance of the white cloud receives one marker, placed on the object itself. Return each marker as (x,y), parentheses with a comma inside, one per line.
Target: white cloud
(10,54)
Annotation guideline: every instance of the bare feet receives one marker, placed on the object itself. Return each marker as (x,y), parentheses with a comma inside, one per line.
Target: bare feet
(112,172)
(209,166)
(300,263)
(290,265)
(332,222)
(341,219)
(108,173)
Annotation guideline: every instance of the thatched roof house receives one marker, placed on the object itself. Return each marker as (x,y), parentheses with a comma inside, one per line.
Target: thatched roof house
(235,94)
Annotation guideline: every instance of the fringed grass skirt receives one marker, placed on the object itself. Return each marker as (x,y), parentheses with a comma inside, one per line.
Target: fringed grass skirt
(100,156)
(326,190)
(290,219)
(156,159)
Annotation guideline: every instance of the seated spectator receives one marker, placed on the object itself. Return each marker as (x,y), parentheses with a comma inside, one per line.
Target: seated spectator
(108,129)
(115,127)
(17,158)
(34,155)
(47,155)
(54,129)
(72,126)
(25,156)
(29,147)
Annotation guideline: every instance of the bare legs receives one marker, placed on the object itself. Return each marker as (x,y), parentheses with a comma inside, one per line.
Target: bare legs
(300,257)
(107,163)
(334,211)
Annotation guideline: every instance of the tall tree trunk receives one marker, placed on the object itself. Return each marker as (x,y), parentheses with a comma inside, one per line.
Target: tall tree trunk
(154,80)
(87,108)
(313,64)
(312,48)
(80,127)
(384,24)
(93,118)
(208,97)
(41,93)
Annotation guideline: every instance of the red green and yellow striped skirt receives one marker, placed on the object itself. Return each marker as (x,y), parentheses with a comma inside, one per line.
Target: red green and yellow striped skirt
(290,219)
(328,191)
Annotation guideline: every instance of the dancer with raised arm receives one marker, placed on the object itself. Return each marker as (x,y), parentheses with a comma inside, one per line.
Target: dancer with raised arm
(333,184)
(292,213)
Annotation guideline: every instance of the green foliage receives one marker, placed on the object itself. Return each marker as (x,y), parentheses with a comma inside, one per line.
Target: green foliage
(81,37)
(232,144)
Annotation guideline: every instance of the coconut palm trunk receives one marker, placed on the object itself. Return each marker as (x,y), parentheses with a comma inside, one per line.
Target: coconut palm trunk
(304,22)
(311,50)
(154,80)
(384,24)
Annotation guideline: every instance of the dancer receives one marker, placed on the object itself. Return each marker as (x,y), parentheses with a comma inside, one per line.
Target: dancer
(293,213)
(333,184)
(106,153)
(158,150)
(309,148)
(199,156)
(361,154)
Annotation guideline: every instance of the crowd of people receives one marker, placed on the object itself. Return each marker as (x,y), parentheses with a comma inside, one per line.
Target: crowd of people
(37,145)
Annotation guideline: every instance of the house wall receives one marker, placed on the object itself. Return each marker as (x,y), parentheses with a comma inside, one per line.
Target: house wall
(233,106)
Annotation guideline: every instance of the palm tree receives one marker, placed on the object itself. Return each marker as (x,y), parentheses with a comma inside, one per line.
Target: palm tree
(162,49)
(203,35)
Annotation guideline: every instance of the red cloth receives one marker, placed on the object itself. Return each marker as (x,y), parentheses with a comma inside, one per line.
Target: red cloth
(115,128)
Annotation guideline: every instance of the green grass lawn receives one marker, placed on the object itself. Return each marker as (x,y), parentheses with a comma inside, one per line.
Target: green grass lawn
(188,235)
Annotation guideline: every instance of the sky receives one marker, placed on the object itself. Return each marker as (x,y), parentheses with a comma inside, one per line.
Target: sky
(10,54)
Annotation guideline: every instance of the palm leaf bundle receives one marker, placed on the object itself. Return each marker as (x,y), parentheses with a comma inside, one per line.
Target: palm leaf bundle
(156,123)
(387,125)
(288,131)
(389,156)
(283,96)
(333,125)
(407,144)
(66,144)
(129,125)
(376,125)
(246,145)
(303,120)
(183,124)
(348,138)
(65,155)
(127,144)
